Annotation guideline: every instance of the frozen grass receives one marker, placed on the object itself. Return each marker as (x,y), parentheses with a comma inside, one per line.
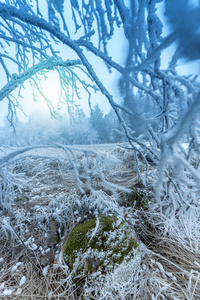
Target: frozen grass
(166,271)
(33,232)
(27,282)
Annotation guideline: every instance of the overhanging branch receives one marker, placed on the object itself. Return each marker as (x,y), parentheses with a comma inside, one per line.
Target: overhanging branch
(48,64)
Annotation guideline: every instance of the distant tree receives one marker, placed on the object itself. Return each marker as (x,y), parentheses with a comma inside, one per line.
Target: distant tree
(40,129)
(81,130)
(114,130)
(99,124)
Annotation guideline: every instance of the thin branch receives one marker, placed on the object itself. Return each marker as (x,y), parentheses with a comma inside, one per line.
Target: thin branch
(48,64)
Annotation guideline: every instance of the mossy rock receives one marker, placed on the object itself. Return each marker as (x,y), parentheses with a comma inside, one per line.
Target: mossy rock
(99,244)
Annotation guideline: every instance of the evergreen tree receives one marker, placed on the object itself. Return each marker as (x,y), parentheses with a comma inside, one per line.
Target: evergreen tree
(113,127)
(99,124)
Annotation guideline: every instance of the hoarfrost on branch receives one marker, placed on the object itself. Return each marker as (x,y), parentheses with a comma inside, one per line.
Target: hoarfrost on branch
(159,101)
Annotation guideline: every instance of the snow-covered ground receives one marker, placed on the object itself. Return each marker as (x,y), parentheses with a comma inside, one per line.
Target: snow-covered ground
(44,173)
(46,191)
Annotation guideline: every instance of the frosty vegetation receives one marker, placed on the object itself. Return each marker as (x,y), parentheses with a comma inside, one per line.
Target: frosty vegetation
(40,129)
(157,118)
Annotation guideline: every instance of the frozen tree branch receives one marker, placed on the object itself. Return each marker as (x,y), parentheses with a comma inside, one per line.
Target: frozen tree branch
(17,80)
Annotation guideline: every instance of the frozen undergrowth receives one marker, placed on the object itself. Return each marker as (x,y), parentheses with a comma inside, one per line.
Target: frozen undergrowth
(33,233)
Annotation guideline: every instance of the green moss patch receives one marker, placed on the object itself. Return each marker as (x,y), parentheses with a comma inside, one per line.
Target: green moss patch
(22,198)
(99,245)
(137,199)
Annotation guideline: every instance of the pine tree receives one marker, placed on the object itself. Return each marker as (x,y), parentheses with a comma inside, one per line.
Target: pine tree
(99,124)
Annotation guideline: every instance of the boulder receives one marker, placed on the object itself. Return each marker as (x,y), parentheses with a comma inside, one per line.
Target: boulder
(99,245)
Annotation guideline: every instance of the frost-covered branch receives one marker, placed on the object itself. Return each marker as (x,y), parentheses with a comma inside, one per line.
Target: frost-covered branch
(17,80)
(153,100)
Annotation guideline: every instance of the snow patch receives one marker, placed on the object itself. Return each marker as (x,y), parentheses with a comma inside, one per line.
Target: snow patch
(8,292)
(22,281)
(15,267)
(45,271)
(18,292)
